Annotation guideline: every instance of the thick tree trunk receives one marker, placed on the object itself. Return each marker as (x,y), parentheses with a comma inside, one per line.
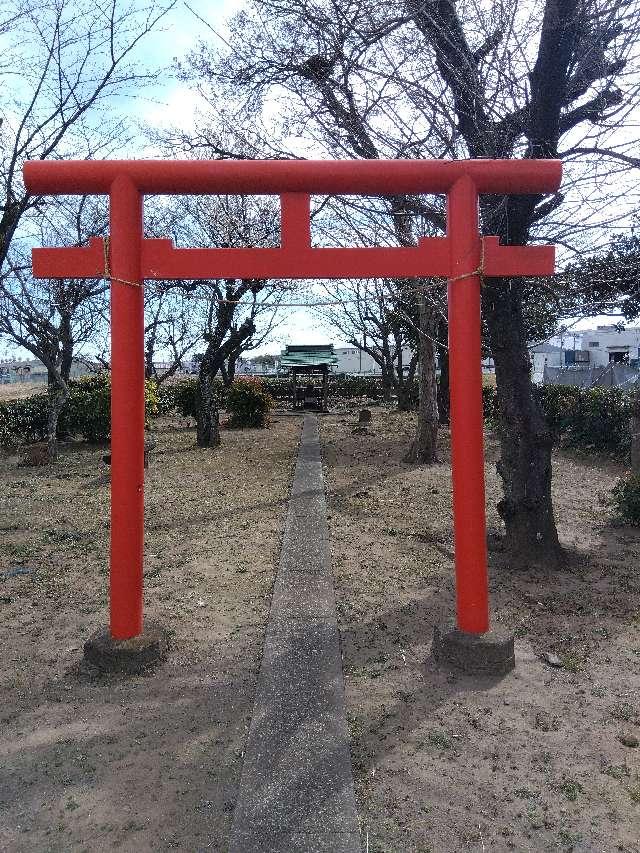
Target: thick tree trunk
(405,387)
(635,433)
(424,446)
(387,387)
(207,412)
(229,372)
(217,353)
(443,384)
(525,439)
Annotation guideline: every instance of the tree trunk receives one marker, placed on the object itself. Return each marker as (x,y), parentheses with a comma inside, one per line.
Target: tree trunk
(387,387)
(635,433)
(404,396)
(57,393)
(525,439)
(424,446)
(443,384)
(207,412)
(231,371)
(404,385)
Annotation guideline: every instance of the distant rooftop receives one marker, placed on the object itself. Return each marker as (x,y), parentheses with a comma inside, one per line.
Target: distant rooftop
(545,347)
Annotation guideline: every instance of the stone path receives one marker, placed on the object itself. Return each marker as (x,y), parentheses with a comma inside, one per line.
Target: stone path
(296,792)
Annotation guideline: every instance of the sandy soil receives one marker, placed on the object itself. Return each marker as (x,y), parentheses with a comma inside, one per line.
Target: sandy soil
(445,762)
(101,763)
(18,390)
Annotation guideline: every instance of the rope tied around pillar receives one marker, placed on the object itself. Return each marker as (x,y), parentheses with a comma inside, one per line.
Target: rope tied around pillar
(107,275)
(479,271)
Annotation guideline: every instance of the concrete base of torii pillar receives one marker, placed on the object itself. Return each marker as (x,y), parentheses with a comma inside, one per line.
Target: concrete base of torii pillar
(491,653)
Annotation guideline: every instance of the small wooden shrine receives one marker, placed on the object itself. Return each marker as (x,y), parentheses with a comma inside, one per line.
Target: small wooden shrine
(308,366)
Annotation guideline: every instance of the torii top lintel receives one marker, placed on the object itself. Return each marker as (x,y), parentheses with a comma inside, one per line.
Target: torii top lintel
(295,181)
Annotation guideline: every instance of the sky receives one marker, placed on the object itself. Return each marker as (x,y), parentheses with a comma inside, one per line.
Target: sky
(169,102)
(172,103)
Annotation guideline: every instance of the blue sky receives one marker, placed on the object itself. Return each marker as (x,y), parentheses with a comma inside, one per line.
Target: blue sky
(170,102)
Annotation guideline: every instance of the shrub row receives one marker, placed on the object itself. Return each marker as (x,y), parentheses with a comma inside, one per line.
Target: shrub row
(180,395)
(248,403)
(87,412)
(582,418)
(625,499)
(586,418)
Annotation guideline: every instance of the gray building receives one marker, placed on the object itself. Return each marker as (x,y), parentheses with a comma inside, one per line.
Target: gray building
(611,345)
(544,355)
(33,371)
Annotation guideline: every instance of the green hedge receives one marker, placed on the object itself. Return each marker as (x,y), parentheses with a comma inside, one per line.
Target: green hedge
(23,420)
(248,403)
(87,412)
(581,418)
(180,395)
(625,499)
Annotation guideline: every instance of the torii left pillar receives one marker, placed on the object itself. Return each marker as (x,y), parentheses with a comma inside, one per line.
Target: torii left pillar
(127,410)
(126,644)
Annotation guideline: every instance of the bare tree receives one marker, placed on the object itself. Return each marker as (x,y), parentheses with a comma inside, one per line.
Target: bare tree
(236,308)
(50,318)
(237,315)
(363,311)
(173,329)
(432,78)
(575,84)
(62,60)
(319,60)
(397,314)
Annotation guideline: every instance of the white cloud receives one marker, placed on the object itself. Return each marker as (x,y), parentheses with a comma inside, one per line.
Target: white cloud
(177,107)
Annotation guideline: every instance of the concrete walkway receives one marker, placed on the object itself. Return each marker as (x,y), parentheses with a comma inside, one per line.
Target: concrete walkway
(296,792)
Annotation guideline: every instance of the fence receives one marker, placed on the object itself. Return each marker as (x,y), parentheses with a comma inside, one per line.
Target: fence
(610,376)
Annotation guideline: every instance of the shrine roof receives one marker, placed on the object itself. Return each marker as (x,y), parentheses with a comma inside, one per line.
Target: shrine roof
(310,355)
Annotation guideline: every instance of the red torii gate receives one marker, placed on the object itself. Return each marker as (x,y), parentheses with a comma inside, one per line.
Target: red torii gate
(463,256)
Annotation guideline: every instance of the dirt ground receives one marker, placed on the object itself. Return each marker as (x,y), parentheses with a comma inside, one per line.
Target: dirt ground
(100,763)
(18,390)
(446,762)
(443,762)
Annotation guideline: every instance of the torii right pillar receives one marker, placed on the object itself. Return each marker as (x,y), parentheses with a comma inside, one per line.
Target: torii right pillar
(467,642)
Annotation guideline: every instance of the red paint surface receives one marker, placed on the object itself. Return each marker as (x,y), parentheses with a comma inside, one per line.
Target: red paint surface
(320,177)
(160,260)
(127,411)
(465,382)
(458,256)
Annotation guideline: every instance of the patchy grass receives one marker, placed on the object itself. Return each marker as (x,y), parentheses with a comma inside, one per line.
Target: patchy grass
(528,762)
(152,762)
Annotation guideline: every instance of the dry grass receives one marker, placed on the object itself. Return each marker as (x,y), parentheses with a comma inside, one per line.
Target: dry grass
(443,762)
(448,763)
(148,763)
(19,390)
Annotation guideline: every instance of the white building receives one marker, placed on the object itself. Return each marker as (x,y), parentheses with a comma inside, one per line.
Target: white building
(352,360)
(609,344)
(544,355)
(33,371)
